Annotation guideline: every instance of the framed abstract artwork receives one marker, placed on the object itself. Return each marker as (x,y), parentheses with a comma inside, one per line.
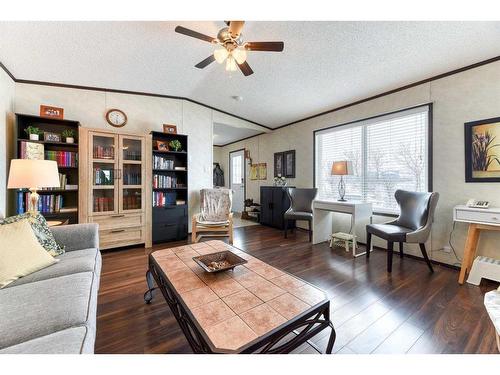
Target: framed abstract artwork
(278,164)
(289,164)
(482,150)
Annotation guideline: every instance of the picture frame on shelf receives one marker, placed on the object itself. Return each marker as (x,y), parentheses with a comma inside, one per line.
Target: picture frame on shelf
(162,146)
(169,129)
(482,150)
(51,137)
(51,112)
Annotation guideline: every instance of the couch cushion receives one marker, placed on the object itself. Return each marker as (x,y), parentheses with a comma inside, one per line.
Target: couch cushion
(41,230)
(37,309)
(69,263)
(20,252)
(68,341)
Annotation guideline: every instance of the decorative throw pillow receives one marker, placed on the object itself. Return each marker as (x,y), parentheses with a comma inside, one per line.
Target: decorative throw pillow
(20,252)
(41,230)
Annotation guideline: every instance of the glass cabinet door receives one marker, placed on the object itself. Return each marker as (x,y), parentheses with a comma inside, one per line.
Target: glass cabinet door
(104,174)
(132,173)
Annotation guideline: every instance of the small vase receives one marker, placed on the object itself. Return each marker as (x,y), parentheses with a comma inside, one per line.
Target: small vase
(70,140)
(34,137)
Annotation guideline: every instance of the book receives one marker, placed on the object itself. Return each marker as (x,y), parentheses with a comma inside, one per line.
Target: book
(31,150)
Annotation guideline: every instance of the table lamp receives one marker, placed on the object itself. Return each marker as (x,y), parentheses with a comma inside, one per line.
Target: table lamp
(341,168)
(33,174)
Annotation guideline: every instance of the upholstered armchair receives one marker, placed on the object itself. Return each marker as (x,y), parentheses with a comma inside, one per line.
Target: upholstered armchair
(412,226)
(215,218)
(300,207)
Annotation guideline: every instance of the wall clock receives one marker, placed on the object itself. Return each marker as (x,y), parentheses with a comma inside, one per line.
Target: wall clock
(116,118)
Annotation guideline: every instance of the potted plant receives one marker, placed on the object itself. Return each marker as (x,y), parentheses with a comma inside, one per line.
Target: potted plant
(69,135)
(33,133)
(279,180)
(175,144)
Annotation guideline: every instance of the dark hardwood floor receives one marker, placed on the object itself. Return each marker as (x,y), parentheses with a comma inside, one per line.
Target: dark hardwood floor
(410,311)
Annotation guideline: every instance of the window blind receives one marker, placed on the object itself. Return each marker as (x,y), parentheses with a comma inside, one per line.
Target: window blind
(387,153)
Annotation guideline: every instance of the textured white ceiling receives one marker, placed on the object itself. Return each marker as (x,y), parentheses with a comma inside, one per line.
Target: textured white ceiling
(324,64)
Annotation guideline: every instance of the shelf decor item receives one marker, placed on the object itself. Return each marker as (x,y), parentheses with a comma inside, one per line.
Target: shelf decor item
(33,175)
(52,112)
(69,135)
(33,133)
(169,129)
(482,150)
(341,168)
(175,144)
(51,137)
(161,146)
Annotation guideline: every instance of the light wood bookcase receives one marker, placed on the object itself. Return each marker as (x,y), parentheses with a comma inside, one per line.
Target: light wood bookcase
(114,171)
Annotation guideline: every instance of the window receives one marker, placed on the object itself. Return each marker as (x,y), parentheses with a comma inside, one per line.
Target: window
(387,153)
(236,168)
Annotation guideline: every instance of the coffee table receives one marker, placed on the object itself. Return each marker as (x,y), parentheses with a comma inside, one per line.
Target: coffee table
(254,308)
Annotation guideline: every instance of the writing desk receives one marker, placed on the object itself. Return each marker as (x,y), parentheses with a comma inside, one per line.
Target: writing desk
(478,219)
(323,222)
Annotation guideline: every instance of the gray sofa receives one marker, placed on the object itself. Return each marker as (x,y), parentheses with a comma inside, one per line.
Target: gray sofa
(54,310)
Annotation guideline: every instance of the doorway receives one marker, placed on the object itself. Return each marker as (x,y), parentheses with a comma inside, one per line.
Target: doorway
(237,179)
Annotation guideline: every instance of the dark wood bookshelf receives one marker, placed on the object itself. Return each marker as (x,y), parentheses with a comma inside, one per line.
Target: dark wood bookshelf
(57,126)
(170,221)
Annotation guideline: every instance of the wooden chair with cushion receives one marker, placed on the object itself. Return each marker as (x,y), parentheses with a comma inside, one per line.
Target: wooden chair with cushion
(412,226)
(215,218)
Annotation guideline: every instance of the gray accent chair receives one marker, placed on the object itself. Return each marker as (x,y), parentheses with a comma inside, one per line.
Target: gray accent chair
(300,207)
(412,226)
(53,311)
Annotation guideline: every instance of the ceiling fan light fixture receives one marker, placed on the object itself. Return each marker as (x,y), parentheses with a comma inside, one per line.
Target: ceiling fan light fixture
(240,55)
(231,65)
(220,55)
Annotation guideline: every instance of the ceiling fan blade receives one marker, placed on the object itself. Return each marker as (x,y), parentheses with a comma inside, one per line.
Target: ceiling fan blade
(235,28)
(265,46)
(194,34)
(245,69)
(202,64)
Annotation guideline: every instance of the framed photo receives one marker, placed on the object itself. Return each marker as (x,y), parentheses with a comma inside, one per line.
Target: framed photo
(162,145)
(262,171)
(278,163)
(254,172)
(51,137)
(169,129)
(289,164)
(482,150)
(52,112)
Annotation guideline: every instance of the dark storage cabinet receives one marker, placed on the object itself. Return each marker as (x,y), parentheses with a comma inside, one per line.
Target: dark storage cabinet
(274,202)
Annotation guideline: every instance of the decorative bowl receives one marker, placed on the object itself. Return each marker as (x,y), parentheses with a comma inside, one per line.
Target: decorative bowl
(220,261)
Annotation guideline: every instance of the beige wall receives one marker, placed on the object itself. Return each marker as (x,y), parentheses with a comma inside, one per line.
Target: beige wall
(145,113)
(467,96)
(7,91)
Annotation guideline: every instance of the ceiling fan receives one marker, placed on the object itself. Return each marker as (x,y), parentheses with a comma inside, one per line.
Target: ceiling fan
(232,48)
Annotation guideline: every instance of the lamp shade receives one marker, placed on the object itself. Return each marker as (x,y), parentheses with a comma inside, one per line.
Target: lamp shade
(26,173)
(341,168)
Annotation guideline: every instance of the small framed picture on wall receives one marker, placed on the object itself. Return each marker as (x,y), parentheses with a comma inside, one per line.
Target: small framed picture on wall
(289,164)
(278,164)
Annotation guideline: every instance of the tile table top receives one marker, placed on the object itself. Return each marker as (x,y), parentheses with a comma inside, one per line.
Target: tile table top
(238,306)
